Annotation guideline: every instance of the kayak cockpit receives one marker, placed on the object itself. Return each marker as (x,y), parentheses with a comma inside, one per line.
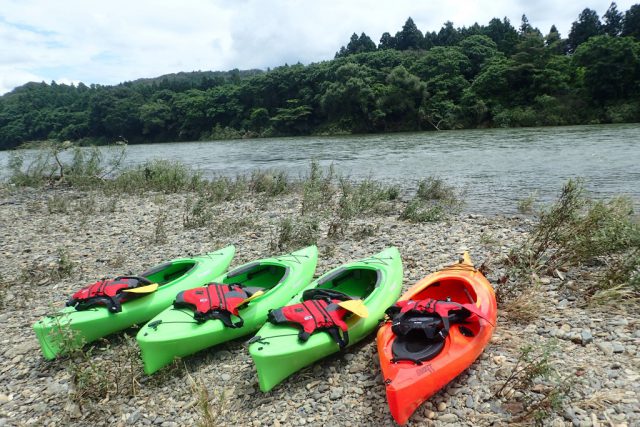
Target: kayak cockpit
(258,275)
(358,283)
(168,272)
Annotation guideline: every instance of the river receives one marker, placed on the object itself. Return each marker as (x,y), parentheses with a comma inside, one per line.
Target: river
(494,167)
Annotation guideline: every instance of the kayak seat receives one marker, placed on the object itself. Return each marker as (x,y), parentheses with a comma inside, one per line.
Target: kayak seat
(415,347)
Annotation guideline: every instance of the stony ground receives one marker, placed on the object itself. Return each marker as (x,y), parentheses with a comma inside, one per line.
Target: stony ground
(593,351)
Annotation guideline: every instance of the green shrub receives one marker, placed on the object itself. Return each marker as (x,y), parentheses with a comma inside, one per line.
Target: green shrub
(318,189)
(270,183)
(293,233)
(32,173)
(417,211)
(525,206)
(158,175)
(85,168)
(224,189)
(159,235)
(576,230)
(58,204)
(231,227)
(196,213)
(434,201)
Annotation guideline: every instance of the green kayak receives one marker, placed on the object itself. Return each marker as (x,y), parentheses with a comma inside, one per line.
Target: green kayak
(96,322)
(176,333)
(277,349)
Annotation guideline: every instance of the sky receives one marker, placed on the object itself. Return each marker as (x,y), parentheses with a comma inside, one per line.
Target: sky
(109,42)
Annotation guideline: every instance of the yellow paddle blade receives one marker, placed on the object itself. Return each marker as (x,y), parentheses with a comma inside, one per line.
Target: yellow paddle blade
(356,306)
(466,259)
(252,297)
(142,289)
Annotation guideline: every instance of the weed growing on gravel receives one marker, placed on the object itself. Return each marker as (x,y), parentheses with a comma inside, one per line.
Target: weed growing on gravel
(159,235)
(67,340)
(196,213)
(227,228)
(83,168)
(295,233)
(575,230)
(529,366)
(209,407)
(416,211)
(366,230)
(222,189)
(58,204)
(621,280)
(538,387)
(40,274)
(433,188)
(110,206)
(270,183)
(86,206)
(30,172)
(95,379)
(358,199)
(318,189)
(434,201)
(157,175)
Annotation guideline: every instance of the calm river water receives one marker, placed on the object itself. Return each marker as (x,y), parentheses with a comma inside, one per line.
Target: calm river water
(495,167)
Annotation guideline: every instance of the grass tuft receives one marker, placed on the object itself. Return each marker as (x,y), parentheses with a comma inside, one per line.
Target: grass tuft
(434,201)
(577,230)
(293,233)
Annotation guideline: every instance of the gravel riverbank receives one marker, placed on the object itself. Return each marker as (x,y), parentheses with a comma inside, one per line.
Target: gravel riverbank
(594,349)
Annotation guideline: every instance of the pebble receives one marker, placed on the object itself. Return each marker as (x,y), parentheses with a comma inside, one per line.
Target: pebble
(586,337)
(448,418)
(133,418)
(618,347)
(336,393)
(606,347)
(441,406)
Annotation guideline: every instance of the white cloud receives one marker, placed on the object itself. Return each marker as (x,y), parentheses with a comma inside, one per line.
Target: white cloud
(115,41)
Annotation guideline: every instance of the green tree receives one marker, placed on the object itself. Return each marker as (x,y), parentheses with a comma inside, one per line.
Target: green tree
(401,100)
(611,67)
(356,44)
(588,25)
(259,119)
(612,21)
(410,37)
(631,22)
(294,119)
(155,116)
(479,49)
(350,98)
(554,43)
(387,41)
(503,34)
(448,35)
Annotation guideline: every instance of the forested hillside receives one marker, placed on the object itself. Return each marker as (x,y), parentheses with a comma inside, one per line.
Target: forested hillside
(478,76)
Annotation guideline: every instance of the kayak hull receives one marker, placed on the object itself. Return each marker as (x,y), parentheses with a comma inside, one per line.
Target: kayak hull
(72,327)
(409,384)
(175,333)
(278,353)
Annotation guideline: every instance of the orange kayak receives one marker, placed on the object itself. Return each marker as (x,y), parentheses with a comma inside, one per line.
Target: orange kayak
(439,327)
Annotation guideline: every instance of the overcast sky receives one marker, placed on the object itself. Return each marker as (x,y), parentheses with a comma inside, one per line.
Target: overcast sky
(108,42)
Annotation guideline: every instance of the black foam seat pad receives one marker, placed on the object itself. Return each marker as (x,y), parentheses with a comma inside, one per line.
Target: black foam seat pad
(416,347)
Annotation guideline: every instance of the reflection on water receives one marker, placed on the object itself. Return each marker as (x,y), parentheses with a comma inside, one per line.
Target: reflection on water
(496,167)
